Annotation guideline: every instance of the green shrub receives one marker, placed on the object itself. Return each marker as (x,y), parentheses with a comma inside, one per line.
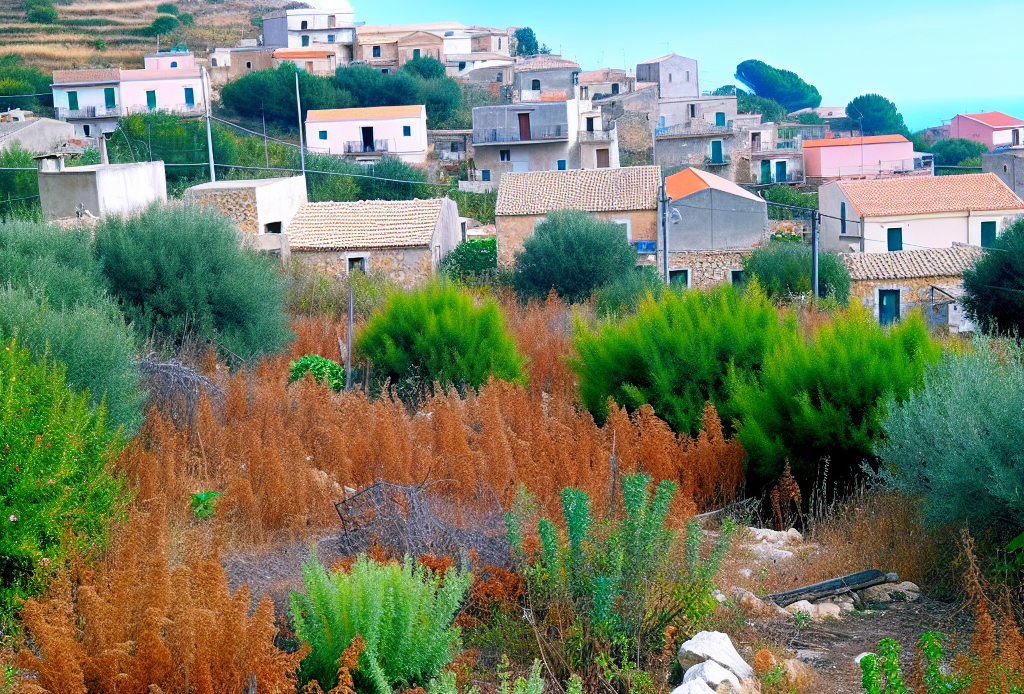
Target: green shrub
(574,253)
(42,14)
(313,293)
(180,273)
(187,20)
(471,260)
(164,24)
(883,674)
(426,68)
(994,287)
(381,181)
(322,368)
(950,152)
(16,185)
(325,187)
(403,612)
(824,397)
(623,295)
(956,441)
(56,492)
(675,354)
(787,195)
(784,270)
(437,334)
(167,8)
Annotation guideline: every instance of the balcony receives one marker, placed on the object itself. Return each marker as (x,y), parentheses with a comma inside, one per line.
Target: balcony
(694,130)
(360,147)
(88,112)
(778,149)
(725,160)
(180,110)
(602,136)
(539,133)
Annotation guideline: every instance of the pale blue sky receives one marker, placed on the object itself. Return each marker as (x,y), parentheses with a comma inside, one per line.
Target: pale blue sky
(932,57)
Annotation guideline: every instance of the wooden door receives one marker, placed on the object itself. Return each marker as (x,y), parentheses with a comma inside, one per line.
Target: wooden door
(524,126)
(888,306)
(602,159)
(766,172)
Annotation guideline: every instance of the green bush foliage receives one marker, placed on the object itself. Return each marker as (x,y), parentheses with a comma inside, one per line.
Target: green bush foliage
(994,287)
(167,8)
(18,78)
(41,13)
(783,86)
(471,260)
(56,490)
(393,168)
(615,589)
(437,334)
(322,368)
(952,152)
(878,115)
(623,295)
(316,294)
(784,270)
(426,68)
(186,19)
(18,189)
(164,24)
(675,354)
(787,195)
(180,274)
(825,396)
(403,612)
(973,398)
(526,42)
(574,253)
(883,674)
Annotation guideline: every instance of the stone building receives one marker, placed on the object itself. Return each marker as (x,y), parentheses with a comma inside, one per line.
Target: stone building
(892,284)
(546,78)
(406,240)
(1008,166)
(98,190)
(706,268)
(627,196)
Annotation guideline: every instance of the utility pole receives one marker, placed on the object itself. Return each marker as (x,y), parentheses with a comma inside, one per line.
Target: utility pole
(348,345)
(814,253)
(266,149)
(209,130)
(302,150)
(664,229)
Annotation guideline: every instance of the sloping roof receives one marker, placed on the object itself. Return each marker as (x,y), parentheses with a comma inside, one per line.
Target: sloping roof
(329,226)
(994,119)
(369,113)
(903,265)
(546,62)
(164,74)
(930,194)
(80,76)
(295,53)
(689,181)
(869,140)
(590,190)
(657,60)
(605,75)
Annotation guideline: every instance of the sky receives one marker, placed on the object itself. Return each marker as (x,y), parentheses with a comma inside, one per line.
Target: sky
(933,58)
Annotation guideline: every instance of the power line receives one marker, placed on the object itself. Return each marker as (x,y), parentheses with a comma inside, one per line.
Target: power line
(16,96)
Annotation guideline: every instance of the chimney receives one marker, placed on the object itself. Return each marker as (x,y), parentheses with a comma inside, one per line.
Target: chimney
(102,141)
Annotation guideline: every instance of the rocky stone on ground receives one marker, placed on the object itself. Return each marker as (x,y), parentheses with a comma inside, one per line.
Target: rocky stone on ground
(756,607)
(716,646)
(771,545)
(798,673)
(712,674)
(816,612)
(891,592)
(694,687)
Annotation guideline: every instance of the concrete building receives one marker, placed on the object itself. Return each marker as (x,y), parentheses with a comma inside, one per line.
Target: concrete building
(675,76)
(541,136)
(461,48)
(322,61)
(406,240)
(771,153)
(545,78)
(893,284)
(626,196)
(229,64)
(1009,167)
(601,84)
(367,134)
(36,135)
(992,129)
(322,23)
(876,216)
(451,145)
(708,212)
(875,156)
(98,190)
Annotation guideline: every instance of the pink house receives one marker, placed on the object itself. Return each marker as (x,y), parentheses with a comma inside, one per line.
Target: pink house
(875,156)
(992,129)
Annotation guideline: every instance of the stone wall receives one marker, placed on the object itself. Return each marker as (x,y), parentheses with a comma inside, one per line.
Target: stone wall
(513,230)
(914,293)
(406,266)
(238,204)
(707,268)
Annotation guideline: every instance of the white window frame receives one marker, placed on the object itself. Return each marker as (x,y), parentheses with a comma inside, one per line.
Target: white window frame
(628,223)
(364,257)
(689,275)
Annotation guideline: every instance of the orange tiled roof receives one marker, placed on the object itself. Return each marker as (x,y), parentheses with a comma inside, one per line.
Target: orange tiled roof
(80,76)
(916,264)
(869,140)
(689,181)
(295,53)
(603,75)
(546,62)
(930,194)
(994,119)
(590,190)
(369,113)
(328,226)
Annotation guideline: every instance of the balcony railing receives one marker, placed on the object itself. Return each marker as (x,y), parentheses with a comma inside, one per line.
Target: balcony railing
(538,133)
(724,160)
(603,135)
(88,112)
(784,147)
(696,129)
(360,147)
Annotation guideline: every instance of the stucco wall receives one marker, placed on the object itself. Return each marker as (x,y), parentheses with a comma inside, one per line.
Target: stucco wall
(40,135)
(170,93)
(540,156)
(849,160)
(707,268)
(114,189)
(713,219)
(411,148)
(406,266)
(1009,167)
(513,230)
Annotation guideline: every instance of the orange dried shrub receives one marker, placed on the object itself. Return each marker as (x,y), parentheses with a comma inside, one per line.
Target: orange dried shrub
(137,623)
(543,334)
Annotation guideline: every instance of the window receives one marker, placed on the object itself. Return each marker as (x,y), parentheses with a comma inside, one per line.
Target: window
(386,71)
(151,99)
(842,218)
(190,97)
(505,155)
(485,175)
(109,100)
(305,25)
(406,131)
(463,226)
(376,51)
(331,22)
(693,110)
(87,129)
(535,85)
(213,62)
(670,77)
(561,164)
(415,53)
(330,38)
(356,265)
(322,134)
(894,238)
(720,119)
(687,75)
(248,65)
(627,226)
(679,278)
(499,44)
(462,66)
(737,278)
(455,146)
(305,41)
(272,228)
(499,78)
(888,306)
(988,234)
(615,88)
(73,101)
(174,63)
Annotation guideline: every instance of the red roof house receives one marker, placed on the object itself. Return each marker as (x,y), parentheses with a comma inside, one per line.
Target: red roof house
(992,129)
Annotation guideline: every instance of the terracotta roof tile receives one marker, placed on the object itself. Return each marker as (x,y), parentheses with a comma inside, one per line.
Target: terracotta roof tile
(79,76)
(364,224)
(604,75)
(916,264)
(369,113)
(994,119)
(546,62)
(690,180)
(843,141)
(928,194)
(590,190)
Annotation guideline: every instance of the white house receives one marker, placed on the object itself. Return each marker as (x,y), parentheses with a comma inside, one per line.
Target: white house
(327,22)
(366,134)
(894,214)
(321,61)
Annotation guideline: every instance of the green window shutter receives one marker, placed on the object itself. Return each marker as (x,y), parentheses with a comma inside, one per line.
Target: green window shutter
(988,234)
(720,119)
(73,101)
(190,97)
(108,97)
(323,134)
(895,239)
(151,99)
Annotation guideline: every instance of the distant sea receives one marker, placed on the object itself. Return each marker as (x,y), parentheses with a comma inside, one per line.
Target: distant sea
(929,113)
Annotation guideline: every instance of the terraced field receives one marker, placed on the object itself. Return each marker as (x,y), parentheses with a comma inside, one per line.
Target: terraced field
(72,42)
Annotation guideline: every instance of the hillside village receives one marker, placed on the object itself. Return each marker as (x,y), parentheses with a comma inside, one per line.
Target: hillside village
(415,358)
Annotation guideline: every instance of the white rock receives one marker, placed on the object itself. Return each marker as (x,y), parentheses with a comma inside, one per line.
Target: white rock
(712,674)
(809,656)
(763,550)
(846,606)
(756,607)
(746,573)
(794,536)
(720,596)
(803,606)
(716,646)
(828,609)
(693,687)
(861,657)
(798,673)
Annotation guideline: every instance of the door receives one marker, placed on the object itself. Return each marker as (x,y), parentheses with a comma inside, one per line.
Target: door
(888,306)
(190,97)
(415,53)
(766,172)
(1015,138)
(602,159)
(73,101)
(367,139)
(894,239)
(108,97)
(309,66)
(524,126)
(151,99)
(780,172)
(305,41)
(716,151)
(720,119)
(988,234)
(755,142)
(590,124)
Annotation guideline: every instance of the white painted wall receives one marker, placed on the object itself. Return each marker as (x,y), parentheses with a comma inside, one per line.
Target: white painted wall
(87,96)
(170,92)
(411,148)
(278,201)
(933,231)
(1005,137)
